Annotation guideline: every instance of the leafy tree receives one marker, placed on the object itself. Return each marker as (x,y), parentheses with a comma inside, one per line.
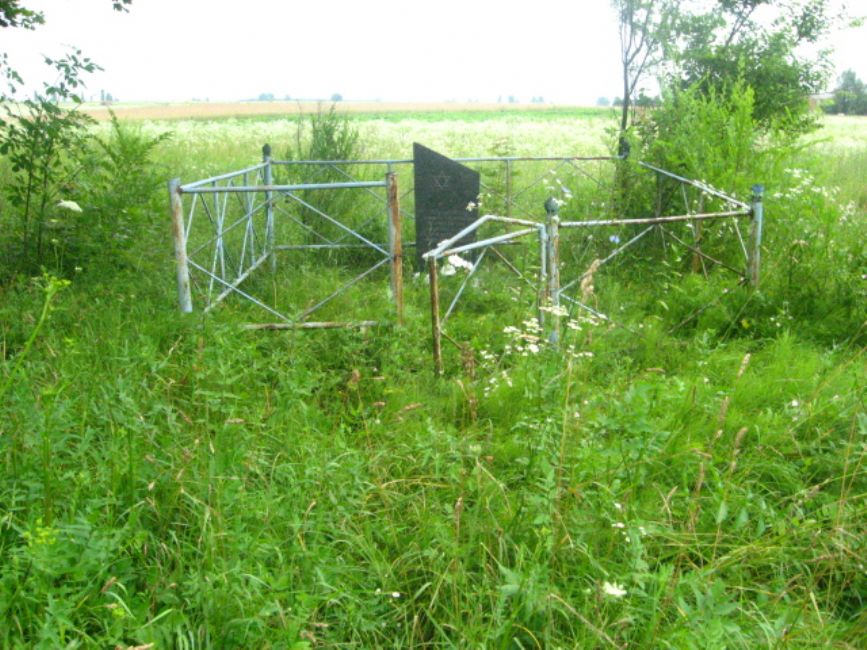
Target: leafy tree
(770,45)
(45,139)
(764,43)
(644,25)
(850,96)
(12,14)
(42,138)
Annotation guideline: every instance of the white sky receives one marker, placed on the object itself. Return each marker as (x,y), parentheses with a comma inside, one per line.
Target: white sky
(566,51)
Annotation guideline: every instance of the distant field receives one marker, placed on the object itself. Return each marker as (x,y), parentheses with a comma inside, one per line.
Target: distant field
(208,110)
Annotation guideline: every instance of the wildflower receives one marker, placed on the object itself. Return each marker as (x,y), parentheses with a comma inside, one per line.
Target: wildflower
(614,239)
(613,589)
(618,524)
(459,262)
(472,205)
(72,206)
(448,269)
(555,310)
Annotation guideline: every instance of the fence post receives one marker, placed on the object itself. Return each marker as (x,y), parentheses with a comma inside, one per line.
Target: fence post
(185,301)
(754,259)
(269,208)
(395,243)
(543,276)
(552,255)
(435,315)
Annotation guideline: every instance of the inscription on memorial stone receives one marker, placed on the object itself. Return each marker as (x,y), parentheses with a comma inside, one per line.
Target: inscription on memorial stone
(443,190)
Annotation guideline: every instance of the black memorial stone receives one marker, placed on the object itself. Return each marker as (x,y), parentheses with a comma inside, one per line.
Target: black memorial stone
(443,191)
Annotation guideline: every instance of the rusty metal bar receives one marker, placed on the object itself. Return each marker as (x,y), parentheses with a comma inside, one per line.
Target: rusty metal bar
(283,188)
(185,300)
(395,243)
(385,161)
(701,186)
(654,220)
(435,316)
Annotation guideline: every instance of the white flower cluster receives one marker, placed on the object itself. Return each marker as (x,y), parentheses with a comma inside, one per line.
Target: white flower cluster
(525,340)
(455,262)
(805,185)
(494,381)
(613,589)
(72,206)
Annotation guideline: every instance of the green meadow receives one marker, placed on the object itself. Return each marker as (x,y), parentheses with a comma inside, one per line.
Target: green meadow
(687,474)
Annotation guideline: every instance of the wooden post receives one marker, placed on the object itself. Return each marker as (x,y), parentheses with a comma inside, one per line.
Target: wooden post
(552,255)
(754,260)
(269,208)
(395,242)
(435,316)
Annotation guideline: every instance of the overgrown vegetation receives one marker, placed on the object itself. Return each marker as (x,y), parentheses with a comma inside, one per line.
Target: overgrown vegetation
(177,481)
(687,473)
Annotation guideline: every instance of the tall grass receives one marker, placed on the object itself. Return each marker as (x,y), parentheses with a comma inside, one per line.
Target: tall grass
(174,480)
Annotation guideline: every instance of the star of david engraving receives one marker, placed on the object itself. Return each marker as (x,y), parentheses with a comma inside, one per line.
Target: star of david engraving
(441,180)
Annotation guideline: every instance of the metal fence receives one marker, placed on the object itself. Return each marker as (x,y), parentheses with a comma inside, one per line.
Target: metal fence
(227,227)
(552,292)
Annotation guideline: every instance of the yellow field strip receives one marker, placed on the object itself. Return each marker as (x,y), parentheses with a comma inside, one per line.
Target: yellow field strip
(189,110)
